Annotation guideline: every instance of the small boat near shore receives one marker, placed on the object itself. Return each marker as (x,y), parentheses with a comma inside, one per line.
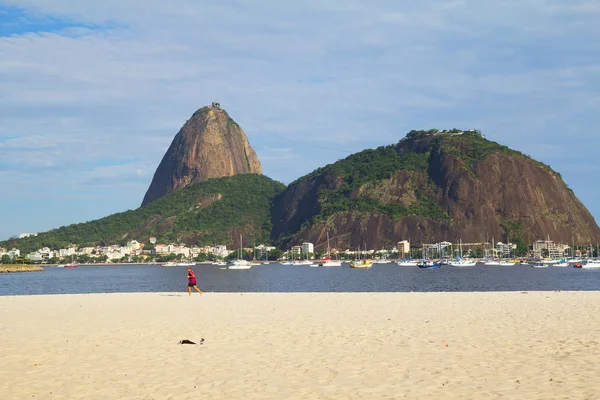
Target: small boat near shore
(426,264)
(185,264)
(407,263)
(170,264)
(239,264)
(361,264)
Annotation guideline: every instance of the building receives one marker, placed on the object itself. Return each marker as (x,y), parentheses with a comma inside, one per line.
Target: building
(134,245)
(437,250)
(308,248)
(14,253)
(161,249)
(66,252)
(296,251)
(262,251)
(543,248)
(403,247)
(26,235)
(505,250)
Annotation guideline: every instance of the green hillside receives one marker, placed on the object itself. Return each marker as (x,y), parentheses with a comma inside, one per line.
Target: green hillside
(210,212)
(433,177)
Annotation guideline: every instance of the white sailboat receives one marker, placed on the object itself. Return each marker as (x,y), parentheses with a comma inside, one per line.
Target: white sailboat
(461,262)
(591,264)
(327,261)
(407,263)
(239,263)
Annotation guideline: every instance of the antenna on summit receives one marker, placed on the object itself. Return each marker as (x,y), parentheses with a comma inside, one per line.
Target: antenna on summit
(216,105)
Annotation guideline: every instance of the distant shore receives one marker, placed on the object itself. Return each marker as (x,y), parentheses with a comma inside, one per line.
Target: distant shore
(514,345)
(6,268)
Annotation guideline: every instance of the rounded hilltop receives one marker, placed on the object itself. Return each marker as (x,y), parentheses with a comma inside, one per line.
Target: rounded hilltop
(209,145)
(430,186)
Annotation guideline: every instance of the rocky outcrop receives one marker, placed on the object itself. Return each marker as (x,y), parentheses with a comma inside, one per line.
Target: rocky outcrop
(209,145)
(429,188)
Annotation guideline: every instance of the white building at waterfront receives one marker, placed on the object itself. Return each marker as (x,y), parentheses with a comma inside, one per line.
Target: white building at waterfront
(308,248)
(403,247)
(553,250)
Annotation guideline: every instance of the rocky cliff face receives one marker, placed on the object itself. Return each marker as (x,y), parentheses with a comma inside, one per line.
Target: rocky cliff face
(209,145)
(428,188)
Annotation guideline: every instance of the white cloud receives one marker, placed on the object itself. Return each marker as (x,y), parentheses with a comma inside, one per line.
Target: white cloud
(119,78)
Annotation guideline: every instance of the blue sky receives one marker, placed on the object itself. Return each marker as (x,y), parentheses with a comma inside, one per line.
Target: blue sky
(92,93)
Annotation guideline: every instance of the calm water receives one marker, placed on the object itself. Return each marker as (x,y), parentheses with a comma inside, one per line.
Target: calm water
(285,278)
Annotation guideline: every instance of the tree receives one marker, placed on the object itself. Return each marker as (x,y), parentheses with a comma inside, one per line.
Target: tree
(201,257)
(6,259)
(275,254)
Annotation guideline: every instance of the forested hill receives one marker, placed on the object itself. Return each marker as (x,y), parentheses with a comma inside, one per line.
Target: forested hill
(212,212)
(429,187)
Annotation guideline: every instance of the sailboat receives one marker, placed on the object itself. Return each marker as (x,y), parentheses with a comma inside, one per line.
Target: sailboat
(254,260)
(71,264)
(240,263)
(461,262)
(327,261)
(360,263)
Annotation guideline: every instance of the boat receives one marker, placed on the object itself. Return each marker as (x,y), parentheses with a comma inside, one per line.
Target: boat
(591,264)
(361,264)
(239,263)
(327,261)
(495,263)
(462,262)
(562,264)
(70,266)
(220,263)
(60,266)
(170,264)
(254,263)
(407,263)
(426,264)
(185,264)
(540,265)
(506,263)
(302,262)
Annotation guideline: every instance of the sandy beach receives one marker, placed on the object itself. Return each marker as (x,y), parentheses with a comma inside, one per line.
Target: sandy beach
(536,345)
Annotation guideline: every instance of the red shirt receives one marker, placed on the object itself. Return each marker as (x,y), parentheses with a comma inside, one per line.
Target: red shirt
(192,277)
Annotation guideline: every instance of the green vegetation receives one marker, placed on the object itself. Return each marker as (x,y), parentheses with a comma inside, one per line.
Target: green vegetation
(473,148)
(205,213)
(371,167)
(514,231)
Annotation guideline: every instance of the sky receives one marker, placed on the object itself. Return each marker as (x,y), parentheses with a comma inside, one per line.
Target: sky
(92,93)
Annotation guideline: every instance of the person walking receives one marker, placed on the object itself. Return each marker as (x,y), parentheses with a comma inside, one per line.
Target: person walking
(192,281)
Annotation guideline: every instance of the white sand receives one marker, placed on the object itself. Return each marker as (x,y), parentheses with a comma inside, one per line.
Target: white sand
(541,345)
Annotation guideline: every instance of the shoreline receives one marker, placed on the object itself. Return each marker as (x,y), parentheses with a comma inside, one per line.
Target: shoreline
(12,268)
(517,345)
